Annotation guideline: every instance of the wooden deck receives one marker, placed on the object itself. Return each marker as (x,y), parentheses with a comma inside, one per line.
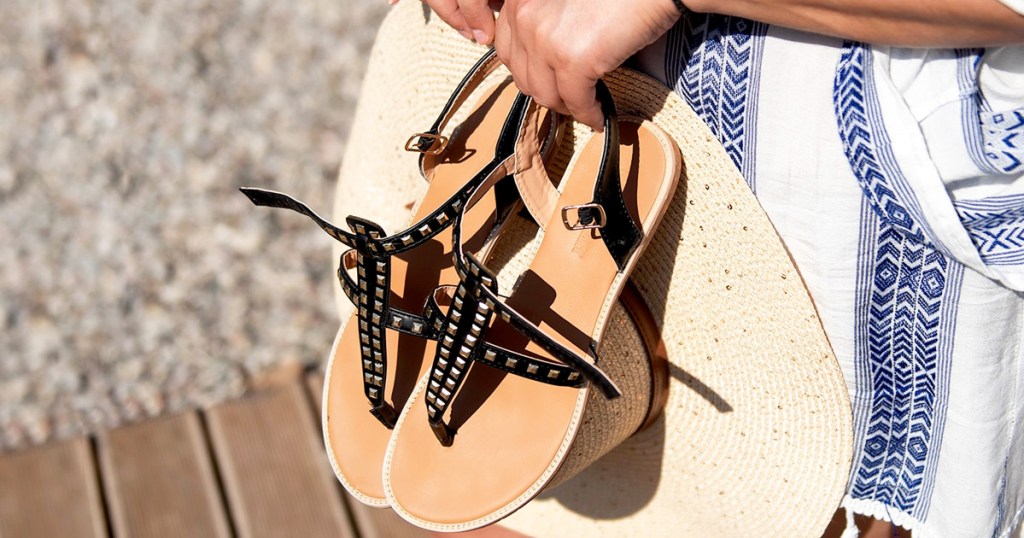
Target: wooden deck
(253,467)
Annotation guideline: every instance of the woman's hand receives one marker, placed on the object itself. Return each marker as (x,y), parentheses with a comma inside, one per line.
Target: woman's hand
(558,49)
(474,19)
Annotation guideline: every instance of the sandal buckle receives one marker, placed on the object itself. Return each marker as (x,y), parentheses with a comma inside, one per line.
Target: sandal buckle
(588,217)
(417,143)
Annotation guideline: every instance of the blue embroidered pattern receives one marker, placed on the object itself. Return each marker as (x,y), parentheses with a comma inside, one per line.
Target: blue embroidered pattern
(906,310)
(996,226)
(715,63)
(994,140)
(1004,140)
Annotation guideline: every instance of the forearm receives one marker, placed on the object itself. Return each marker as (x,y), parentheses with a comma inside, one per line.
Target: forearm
(912,23)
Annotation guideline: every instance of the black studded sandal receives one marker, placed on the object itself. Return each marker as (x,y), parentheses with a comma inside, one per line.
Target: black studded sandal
(382,352)
(506,409)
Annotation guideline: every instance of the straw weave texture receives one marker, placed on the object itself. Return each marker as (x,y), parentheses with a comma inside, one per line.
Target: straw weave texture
(757,436)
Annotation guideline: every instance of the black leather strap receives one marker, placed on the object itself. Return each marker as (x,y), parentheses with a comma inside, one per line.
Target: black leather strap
(620,233)
(372,248)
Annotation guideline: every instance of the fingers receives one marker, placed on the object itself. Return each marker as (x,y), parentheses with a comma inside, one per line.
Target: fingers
(450,13)
(579,95)
(480,18)
(472,18)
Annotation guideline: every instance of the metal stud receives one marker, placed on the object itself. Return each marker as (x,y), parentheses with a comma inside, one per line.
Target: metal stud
(376,344)
(364,338)
(441,403)
(360,229)
(442,363)
(417,327)
(447,341)
(475,329)
(444,352)
(531,369)
(464,352)
(450,383)
(381,266)
(456,373)
(368,378)
(437,324)
(375,331)
(490,355)
(511,363)
(438,375)
(480,319)
(552,374)
(471,339)
(379,293)
(446,393)
(373,393)
(457,303)
(435,386)
(362,271)
(364,326)
(367,364)
(377,356)
(573,376)
(488,281)
(375,319)
(452,329)
(441,219)
(378,380)
(456,316)
(431,410)
(460,362)
(425,229)
(388,247)
(381,280)
(406,240)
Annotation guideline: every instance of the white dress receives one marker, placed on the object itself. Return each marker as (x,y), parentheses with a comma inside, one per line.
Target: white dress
(896,179)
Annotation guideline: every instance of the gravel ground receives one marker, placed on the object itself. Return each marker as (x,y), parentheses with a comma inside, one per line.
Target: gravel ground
(134,278)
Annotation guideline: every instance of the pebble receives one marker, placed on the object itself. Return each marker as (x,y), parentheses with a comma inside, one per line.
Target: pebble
(134,279)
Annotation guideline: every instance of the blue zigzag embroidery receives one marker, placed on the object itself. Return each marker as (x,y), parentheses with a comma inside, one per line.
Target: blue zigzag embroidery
(1004,140)
(996,226)
(715,63)
(907,292)
(994,140)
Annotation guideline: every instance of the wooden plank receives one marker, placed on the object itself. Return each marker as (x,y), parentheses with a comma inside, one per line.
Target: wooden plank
(371,522)
(51,491)
(159,479)
(276,475)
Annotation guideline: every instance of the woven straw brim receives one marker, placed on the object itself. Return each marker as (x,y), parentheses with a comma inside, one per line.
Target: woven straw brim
(756,438)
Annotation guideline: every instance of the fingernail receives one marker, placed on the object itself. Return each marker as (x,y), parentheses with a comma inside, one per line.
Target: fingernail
(480,36)
(392,2)
(466,34)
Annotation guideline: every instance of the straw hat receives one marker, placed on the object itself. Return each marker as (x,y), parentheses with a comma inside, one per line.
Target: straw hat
(756,439)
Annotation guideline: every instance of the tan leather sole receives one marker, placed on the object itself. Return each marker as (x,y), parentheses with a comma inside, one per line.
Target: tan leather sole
(513,434)
(355,440)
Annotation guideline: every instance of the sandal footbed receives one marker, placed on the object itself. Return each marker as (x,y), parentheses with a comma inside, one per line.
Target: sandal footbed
(512,433)
(355,439)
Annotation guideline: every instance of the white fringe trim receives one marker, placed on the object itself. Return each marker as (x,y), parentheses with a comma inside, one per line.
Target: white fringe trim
(884,512)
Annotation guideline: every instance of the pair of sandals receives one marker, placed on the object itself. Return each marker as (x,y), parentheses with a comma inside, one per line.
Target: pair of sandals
(479,400)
